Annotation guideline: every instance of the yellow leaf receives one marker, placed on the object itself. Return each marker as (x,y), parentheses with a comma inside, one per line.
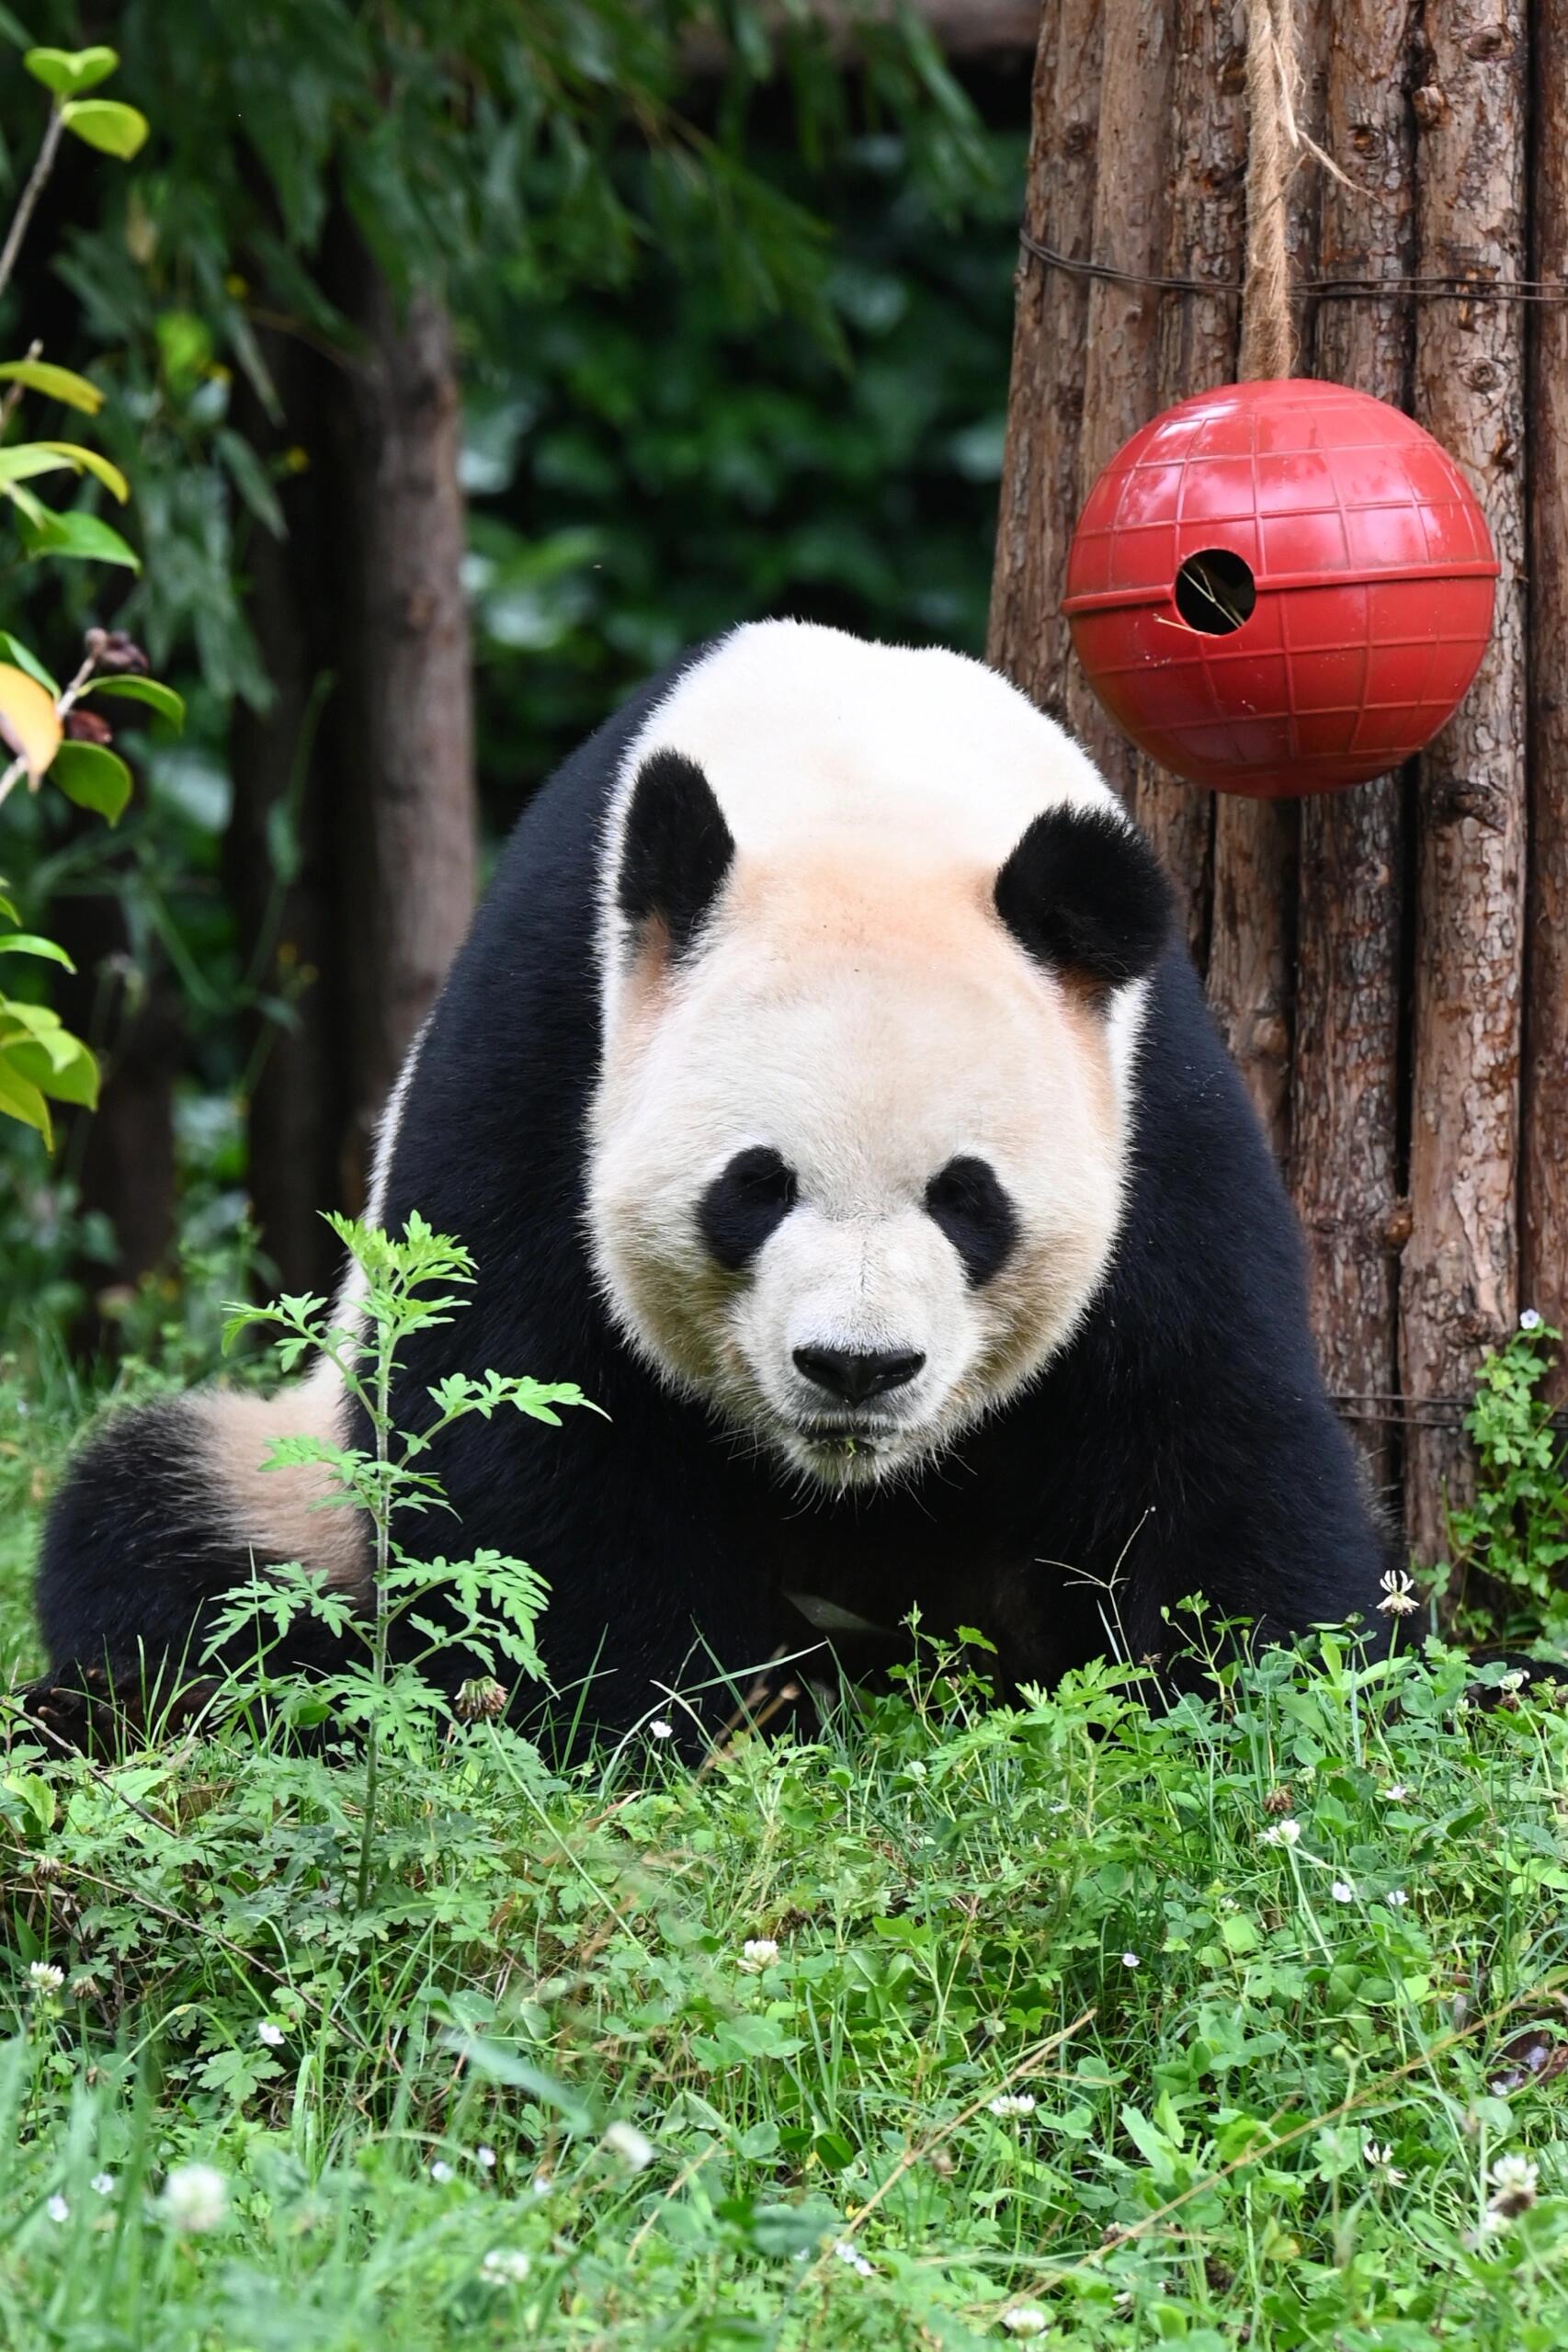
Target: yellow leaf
(90,461)
(28,720)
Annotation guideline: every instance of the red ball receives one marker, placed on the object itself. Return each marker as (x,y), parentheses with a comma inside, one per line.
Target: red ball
(1281,587)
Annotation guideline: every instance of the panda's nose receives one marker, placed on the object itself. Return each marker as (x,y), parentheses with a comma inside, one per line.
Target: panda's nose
(850,1377)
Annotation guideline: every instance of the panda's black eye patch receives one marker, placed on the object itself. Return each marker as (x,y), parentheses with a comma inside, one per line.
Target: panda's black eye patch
(966,1200)
(744,1204)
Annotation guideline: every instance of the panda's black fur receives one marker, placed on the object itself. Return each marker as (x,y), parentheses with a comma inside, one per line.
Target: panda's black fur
(1182,1442)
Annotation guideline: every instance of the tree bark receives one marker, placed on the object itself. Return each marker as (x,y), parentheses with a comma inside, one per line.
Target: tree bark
(1459,1283)
(1121,375)
(1545,1161)
(403,731)
(277,856)
(1027,635)
(1346,1126)
(1205,225)
(361,773)
(1256,842)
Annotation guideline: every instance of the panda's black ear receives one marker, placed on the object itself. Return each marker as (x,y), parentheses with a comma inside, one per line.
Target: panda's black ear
(1084,894)
(676,849)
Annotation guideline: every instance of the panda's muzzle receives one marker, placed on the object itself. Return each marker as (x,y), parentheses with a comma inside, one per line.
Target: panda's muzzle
(853,1376)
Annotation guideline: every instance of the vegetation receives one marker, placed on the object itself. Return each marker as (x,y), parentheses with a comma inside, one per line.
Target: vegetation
(348,2018)
(1508,1543)
(1239,2022)
(48,728)
(764,311)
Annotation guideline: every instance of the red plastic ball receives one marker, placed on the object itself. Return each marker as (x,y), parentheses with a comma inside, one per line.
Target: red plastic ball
(1281,587)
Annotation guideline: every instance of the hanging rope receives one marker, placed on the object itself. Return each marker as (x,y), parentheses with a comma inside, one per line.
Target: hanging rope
(1268,332)
(1276,144)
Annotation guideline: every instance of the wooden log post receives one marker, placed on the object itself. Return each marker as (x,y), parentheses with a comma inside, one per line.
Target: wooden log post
(1544,1254)
(1252,930)
(1205,226)
(1027,637)
(1460,1280)
(1122,373)
(1345,1160)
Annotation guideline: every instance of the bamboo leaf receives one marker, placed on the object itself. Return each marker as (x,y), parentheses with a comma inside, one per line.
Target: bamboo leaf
(87,461)
(32,943)
(25,458)
(80,536)
(55,383)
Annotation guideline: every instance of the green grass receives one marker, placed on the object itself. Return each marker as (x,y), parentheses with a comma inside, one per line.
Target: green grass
(1075,1905)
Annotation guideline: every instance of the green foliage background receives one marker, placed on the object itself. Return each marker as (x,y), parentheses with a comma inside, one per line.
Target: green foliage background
(725,353)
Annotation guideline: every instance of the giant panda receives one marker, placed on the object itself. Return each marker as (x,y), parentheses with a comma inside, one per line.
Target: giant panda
(822,1088)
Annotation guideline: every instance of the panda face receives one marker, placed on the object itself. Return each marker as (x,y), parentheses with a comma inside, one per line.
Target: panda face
(858,1148)
(855,1199)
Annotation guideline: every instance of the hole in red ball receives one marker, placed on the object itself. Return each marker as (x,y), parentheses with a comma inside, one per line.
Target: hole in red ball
(1215,591)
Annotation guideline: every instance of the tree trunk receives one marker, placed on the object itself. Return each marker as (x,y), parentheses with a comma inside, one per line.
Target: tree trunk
(1346,1125)
(1545,1166)
(1252,941)
(277,856)
(361,773)
(403,732)
(1122,373)
(1027,635)
(1205,225)
(1459,1287)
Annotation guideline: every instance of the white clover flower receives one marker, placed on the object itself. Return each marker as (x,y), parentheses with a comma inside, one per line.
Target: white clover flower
(1025,2318)
(1380,2157)
(270,2034)
(1514,1680)
(103,2183)
(1131,1960)
(194,2199)
(541,2183)
(1515,2183)
(1283,1833)
(506,2266)
(44,1977)
(1531,1319)
(1342,1891)
(661,1731)
(624,2139)
(58,2209)
(1011,2103)
(758,1951)
(1399,1593)
(848,2252)
(484,2157)
(1395,1793)
(1396,1898)
(440,2170)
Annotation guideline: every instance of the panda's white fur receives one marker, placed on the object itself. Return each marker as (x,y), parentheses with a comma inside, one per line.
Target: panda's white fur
(785,941)
(858,1005)
(278,1513)
(873,793)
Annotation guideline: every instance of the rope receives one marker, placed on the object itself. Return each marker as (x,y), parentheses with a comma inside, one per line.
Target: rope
(1268,334)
